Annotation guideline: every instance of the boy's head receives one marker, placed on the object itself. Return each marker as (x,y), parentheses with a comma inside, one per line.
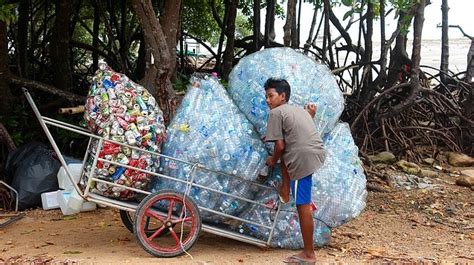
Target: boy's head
(277,92)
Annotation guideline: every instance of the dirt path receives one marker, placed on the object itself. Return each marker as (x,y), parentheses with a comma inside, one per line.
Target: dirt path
(433,225)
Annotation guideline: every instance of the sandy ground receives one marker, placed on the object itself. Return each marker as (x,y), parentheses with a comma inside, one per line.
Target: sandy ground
(431,225)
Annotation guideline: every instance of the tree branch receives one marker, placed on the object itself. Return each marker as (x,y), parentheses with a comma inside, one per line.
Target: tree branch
(46,88)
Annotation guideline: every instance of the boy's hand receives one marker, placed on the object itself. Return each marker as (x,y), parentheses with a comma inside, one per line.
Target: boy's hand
(270,161)
(311,109)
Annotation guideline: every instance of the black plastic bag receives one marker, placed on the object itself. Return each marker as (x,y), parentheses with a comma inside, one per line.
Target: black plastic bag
(31,170)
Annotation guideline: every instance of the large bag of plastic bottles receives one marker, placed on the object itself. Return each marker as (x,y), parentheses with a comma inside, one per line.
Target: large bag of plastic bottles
(310,82)
(121,110)
(287,233)
(339,186)
(209,129)
(338,192)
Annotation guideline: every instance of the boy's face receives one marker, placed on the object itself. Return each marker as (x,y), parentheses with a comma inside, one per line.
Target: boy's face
(274,99)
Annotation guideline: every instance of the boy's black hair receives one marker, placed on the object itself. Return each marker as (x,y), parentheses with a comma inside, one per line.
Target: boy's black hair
(280,85)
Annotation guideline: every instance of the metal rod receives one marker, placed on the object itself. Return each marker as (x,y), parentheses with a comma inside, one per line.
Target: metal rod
(120,186)
(65,124)
(270,236)
(50,138)
(233,235)
(86,155)
(234,217)
(112,203)
(94,165)
(184,182)
(16,194)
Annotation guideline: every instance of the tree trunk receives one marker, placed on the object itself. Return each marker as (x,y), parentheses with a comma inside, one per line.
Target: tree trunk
(383,46)
(270,22)
(60,55)
(256,25)
(6,139)
(295,29)
(399,56)
(141,60)
(307,45)
(444,41)
(95,37)
(415,87)
(368,88)
(230,34)
(290,23)
(158,58)
(22,37)
(326,42)
(367,57)
(470,64)
(169,21)
(222,24)
(5,93)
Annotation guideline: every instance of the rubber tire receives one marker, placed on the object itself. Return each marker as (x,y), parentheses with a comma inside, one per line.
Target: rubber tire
(140,211)
(128,220)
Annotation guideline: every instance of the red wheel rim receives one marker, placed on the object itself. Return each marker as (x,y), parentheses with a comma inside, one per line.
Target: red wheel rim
(178,218)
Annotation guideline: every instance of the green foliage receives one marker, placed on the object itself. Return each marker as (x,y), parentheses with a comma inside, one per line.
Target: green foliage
(7,12)
(402,5)
(18,125)
(198,21)
(181,83)
(243,27)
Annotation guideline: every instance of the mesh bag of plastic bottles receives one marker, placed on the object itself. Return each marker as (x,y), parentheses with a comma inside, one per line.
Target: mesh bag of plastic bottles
(210,130)
(338,192)
(123,111)
(339,186)
(287,233)
(310,82)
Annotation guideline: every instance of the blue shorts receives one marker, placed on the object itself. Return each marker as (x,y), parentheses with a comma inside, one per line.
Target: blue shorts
(301,190)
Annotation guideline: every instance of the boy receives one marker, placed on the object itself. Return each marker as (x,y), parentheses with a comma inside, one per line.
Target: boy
(301,151)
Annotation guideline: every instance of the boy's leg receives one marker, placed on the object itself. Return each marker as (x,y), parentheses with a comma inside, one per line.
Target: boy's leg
(301,190)
(285,185)
(305,214)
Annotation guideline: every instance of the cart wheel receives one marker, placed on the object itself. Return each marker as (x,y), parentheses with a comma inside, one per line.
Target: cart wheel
(129,217)
(167,210)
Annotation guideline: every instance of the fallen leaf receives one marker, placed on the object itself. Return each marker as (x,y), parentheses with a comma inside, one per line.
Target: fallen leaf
(9,242)
(72,252)
(377,252)
(69,217)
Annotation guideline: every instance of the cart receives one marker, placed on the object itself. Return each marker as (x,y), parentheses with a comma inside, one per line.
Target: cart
(165,223)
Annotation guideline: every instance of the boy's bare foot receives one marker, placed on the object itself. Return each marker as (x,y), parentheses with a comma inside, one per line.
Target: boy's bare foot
(300,258)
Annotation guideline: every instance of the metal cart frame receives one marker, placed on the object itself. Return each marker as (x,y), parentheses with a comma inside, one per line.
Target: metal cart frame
(146,209)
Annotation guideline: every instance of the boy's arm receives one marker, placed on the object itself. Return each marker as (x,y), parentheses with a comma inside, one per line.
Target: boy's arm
(277,153)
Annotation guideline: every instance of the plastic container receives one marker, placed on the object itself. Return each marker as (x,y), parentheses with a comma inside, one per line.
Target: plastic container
(49,200)
(63,179)
(75,201)
(63,199)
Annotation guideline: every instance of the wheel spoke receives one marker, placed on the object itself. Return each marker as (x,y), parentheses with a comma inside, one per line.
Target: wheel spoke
(170,210)
(180,220)
(150,213)
(175,236)
(157,232)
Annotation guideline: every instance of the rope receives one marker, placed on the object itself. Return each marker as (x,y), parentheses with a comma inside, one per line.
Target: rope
(188,189)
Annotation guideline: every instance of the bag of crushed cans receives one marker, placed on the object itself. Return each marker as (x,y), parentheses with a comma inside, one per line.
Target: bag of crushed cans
(121,110)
